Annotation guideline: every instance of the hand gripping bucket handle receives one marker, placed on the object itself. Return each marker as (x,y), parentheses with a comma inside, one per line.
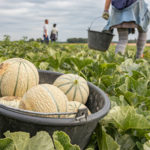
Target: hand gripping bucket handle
(99,40)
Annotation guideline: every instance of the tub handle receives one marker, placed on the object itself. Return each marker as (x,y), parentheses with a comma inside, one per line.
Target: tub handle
(81,114)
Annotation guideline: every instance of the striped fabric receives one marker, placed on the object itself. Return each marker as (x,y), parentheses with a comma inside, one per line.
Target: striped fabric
(141,44)
(123,40)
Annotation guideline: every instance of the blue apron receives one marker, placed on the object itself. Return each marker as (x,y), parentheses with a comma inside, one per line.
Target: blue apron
(137,12)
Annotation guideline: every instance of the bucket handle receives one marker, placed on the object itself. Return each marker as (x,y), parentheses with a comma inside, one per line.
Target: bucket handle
(94,21)
(110,31)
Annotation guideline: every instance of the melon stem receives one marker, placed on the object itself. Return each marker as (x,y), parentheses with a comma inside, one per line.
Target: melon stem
(76,82)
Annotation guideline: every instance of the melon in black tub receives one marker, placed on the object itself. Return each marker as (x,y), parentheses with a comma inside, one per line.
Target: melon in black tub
(79,131)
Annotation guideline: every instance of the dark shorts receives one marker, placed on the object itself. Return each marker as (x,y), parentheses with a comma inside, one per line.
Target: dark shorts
(46,39)
(53,37)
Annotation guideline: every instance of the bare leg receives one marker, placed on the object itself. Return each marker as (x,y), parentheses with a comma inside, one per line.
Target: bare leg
(123,40)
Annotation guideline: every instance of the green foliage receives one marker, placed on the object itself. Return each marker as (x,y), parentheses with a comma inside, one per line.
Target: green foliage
(6,144)
(20,139)
(76,40)
(62,142)
(146,145)
(41,141)
(126,117)
(105,141)
(125,80)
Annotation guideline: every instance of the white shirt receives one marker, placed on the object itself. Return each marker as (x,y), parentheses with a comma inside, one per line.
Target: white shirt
(54,30)
(45,27)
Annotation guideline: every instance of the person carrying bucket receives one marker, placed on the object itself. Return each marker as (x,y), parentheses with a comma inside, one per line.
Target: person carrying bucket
(126,15)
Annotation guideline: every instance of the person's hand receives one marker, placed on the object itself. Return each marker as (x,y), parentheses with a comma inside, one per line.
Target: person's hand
(105,15)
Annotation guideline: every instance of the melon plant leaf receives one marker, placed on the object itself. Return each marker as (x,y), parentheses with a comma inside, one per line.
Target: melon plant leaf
(90,148)
(95,70)
(54,62)
(110,80)
(58,145)
(135,86)
(20,139)
(126,117)
(148,136)
(93,142)
(32,55)
(6,144)
(41,141)
(144,113)
(144,68)
(62,141)
(139,145)
(118,101)
(136,75)
(43,66)
(81,63)
(128,66)
(135,100)
(126,142)
(122,88)
(108,68)
(146,146)
(105,141)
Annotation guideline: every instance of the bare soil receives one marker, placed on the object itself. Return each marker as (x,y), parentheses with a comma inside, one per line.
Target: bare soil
(132,44)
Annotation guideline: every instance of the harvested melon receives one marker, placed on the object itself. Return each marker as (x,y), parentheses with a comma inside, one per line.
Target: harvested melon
(44,98)
(73,106)
(17,75)
(11,101)
(74,86)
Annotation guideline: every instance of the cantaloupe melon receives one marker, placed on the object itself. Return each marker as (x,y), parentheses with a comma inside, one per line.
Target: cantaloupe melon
(17,75)
(11,101)
(73,106)
(44,98)
(74,86)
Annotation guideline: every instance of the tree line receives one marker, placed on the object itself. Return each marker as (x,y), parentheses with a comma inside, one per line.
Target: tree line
(69,40)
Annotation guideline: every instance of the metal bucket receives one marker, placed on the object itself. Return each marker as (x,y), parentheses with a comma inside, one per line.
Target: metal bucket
(99,40)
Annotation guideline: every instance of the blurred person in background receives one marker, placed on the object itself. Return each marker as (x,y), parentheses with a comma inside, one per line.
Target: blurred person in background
(46,32)
(126,15)
(54,33)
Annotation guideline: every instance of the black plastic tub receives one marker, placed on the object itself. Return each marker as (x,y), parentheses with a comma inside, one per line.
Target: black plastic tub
(78,130)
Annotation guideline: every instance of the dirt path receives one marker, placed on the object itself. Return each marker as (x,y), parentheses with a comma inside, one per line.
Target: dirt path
(132,44)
